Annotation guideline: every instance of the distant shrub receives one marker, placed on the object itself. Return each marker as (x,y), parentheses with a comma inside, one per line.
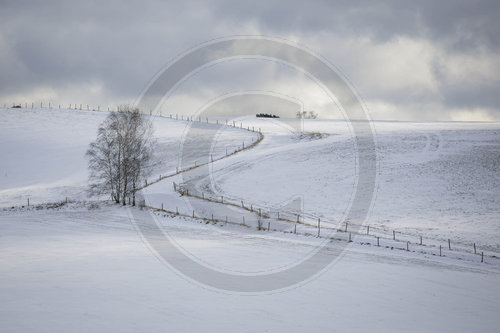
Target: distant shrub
(266,115)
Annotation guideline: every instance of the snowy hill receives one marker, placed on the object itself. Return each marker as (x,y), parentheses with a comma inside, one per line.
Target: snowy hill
(85,266)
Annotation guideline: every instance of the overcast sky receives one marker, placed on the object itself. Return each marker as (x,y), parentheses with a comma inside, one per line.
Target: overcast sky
(408,60)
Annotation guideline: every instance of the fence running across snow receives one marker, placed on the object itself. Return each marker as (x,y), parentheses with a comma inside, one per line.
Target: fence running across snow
(303,224)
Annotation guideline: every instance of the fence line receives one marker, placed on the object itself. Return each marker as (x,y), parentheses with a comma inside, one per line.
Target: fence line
(378,230)
(375,241)
(365,229)
(51,106)
(343,228)
(375,230)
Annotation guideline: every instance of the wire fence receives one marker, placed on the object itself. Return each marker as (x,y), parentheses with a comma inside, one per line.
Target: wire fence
(321,227)
(303,223)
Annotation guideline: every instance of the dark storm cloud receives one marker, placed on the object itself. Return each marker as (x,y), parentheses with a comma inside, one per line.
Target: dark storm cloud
(116,47)
(467,23)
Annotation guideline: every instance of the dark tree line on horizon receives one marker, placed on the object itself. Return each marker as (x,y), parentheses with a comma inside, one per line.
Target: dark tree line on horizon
(266,115)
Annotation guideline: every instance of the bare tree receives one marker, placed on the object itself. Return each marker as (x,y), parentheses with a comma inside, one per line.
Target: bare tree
(312,115)
(306,115)
(121,156)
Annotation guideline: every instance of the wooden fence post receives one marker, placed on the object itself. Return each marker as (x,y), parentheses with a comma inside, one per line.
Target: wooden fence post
(350,240)
(295,229)
(440,250)
(378,241)
(420,240)
(407,246)
(482,256)
(243,219)
(449,244)
(393,235)
(162,206)
(474,248)
(367,229)
(268,225)
(346,226)
(319,226)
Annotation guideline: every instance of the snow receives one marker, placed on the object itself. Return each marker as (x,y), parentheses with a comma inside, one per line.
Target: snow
(44,151)
(85,267)
(83,271)
(439,180)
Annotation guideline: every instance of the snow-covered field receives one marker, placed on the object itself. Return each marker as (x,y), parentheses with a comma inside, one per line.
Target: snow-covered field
(85,267)
(43,152)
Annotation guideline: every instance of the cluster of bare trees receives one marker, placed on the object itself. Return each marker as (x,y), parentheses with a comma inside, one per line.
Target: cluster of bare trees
(121,157)
(306,114)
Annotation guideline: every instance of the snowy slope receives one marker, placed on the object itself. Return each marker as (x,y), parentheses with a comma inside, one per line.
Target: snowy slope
(439,180)
(79,270)
(43,151)
(83,268)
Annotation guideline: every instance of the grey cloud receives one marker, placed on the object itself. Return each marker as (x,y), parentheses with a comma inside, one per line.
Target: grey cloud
(121,45)
(461,23)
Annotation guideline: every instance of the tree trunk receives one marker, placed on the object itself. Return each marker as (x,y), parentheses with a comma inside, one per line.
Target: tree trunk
(133,192)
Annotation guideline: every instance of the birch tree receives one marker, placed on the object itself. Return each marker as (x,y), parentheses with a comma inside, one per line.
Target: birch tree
(121,157)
